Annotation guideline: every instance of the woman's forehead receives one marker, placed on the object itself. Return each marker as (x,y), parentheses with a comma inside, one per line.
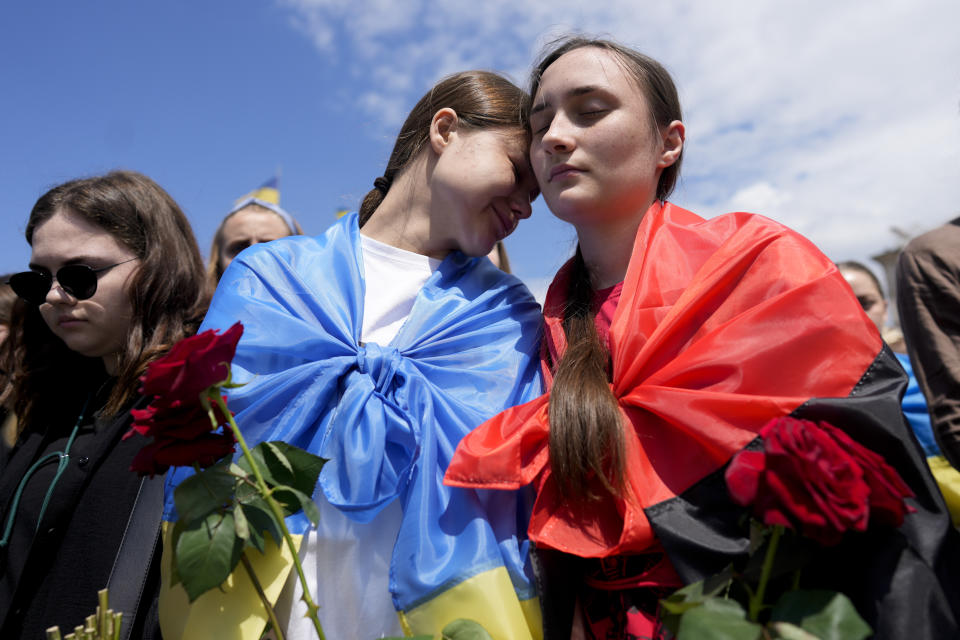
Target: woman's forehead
(578,72)
(68,236)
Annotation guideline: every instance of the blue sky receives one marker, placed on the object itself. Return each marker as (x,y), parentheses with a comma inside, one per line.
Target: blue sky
(839,119)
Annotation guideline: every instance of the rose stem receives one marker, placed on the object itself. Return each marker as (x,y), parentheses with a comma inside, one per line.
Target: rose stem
(263,596)
(756,600)
(312,608)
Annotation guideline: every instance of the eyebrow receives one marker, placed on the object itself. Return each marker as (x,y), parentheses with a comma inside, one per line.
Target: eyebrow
(87,260)
(572,93)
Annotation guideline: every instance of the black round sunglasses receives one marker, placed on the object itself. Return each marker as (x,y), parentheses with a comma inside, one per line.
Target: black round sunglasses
(79,280)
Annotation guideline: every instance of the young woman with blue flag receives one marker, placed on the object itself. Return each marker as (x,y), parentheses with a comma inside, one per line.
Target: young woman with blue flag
(378,345)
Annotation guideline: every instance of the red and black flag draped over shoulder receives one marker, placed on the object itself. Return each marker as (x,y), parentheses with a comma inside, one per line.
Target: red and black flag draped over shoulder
(722,325)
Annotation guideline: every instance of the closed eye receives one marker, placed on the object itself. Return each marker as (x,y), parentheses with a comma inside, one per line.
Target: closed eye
(236,247)
(594,114)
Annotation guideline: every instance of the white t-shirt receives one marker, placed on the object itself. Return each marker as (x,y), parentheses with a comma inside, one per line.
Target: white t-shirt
(393,278)
(347,564)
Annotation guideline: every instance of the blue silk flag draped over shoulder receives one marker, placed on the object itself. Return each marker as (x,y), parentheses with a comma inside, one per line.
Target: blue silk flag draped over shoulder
(388,417)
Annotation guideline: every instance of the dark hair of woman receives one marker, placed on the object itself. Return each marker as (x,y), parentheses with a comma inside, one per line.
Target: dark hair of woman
(853,265)
(10,310)
(7,300)
(168,293)
(482,100)
(586,430)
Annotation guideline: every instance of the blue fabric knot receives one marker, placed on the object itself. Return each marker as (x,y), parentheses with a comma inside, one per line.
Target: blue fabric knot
(381,364)
(371,442)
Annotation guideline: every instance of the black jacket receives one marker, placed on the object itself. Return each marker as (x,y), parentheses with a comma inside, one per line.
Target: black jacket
(50,571)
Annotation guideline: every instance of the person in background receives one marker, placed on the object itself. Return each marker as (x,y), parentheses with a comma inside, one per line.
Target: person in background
(8,419)
(250,222)
(7,299)
(928,301)
(115,279)
(378,345)
(866,287)
(670,342)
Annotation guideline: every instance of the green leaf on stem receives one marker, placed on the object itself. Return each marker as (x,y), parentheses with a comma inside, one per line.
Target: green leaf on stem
(826,614)
(175,532)
(206,552)
(787,631)
(257,454)
(292,501)
(717,619)
(272,452)
(261,521)
(282,463)
(203,493)
(463,629)
(240,522)
(459,629)
(693,595)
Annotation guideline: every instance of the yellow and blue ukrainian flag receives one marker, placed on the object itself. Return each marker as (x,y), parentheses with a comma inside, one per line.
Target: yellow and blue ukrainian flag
(269,191)
(388,419)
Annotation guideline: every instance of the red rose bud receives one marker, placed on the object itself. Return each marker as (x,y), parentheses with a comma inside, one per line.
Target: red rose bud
(192,365)
(743,476)
(805,480)
(887,488)
(160,455)
(179,420)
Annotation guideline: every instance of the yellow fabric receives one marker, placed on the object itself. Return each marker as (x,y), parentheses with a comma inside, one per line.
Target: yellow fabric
(487,598)
(267,194)
(233,612)
(948,478)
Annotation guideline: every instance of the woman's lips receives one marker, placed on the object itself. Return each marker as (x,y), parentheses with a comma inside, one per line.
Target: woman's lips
(68,321)
(562,171)
(508,222)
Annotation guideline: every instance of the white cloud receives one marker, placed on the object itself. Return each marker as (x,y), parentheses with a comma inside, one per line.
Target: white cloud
(838,119)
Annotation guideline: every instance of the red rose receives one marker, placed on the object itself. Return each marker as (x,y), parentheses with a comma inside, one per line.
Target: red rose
(179,421)
(176,419)
(801,479)
(182,435)
(192,365)
(887,488)
(163,453)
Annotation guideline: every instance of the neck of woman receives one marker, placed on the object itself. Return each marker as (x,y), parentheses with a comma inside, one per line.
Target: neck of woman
(403,218)
(607,247)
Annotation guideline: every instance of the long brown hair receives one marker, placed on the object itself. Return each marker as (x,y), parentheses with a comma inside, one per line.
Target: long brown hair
(586,430)
(167,292)
(482,99)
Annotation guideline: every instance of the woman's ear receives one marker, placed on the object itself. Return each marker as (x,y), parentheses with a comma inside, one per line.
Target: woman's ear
(442,129)
(673,136)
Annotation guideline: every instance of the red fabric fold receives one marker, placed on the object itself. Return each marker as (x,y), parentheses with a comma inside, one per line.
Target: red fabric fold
(722,325)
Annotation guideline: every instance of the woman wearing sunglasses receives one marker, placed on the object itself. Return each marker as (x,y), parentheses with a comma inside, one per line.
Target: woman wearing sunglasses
(115,278)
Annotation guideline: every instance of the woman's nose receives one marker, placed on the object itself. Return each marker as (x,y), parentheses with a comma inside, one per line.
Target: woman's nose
(558,137)
(57,294)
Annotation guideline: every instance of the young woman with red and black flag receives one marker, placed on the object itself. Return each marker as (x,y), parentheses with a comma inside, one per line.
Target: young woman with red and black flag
(670,342)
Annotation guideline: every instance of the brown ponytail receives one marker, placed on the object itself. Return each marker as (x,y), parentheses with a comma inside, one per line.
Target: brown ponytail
(586,432)
(586,426)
